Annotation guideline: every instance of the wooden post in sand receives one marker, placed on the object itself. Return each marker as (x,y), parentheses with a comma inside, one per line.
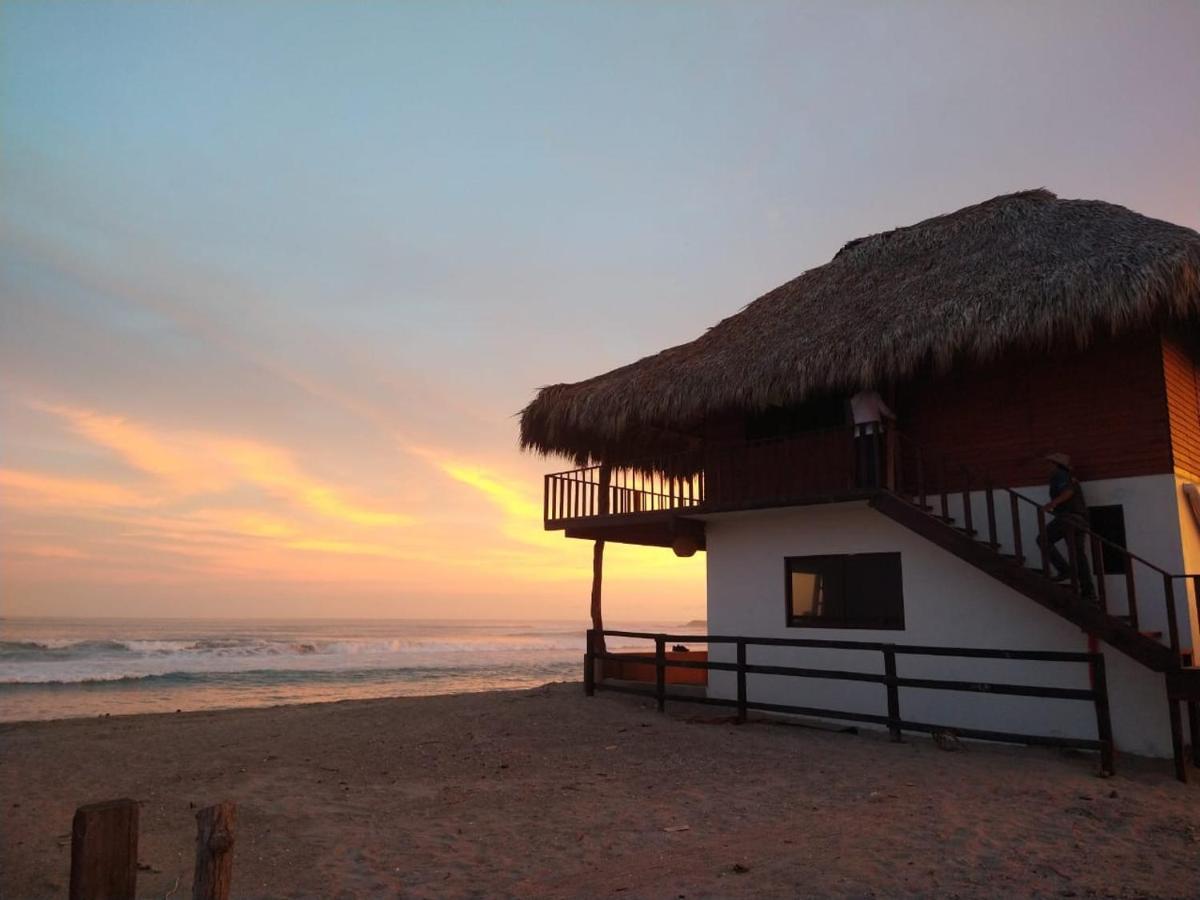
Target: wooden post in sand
(104,839)
(214,851)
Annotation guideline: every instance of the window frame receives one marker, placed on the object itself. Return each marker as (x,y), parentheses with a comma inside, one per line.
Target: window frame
(845,622)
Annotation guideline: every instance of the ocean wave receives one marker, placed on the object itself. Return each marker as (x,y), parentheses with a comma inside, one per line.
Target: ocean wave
(260,677)
(58,651)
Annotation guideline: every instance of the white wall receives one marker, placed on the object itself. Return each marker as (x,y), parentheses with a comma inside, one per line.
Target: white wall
(946,602)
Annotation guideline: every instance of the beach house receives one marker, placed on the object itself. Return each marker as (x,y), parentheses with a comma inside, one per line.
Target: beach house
(996,335)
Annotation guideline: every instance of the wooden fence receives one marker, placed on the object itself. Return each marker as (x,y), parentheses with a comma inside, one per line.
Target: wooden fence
(893,720)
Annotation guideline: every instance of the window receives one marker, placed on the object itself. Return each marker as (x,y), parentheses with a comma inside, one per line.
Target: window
(1109,523)
(857,590)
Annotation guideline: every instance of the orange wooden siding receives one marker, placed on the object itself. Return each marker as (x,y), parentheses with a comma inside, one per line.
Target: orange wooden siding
(1180,373)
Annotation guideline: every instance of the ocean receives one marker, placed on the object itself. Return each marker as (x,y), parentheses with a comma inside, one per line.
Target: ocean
(58,668)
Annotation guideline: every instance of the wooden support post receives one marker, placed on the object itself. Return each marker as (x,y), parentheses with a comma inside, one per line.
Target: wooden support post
(589,664)
(660,671)
(1177,739)
(1103,719)
(598,566)
(597,610)
(741,680)
(893,693)
(104,855)
(215,826)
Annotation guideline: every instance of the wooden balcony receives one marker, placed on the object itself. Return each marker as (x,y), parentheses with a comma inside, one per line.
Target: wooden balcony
(814,467)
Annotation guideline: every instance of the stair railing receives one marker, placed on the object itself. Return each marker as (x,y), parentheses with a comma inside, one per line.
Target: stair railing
(956,478)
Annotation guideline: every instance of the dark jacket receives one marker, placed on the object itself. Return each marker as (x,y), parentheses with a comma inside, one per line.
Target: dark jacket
(1062,481)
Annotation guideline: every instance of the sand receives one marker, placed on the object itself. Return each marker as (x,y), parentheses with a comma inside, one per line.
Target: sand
(546,793)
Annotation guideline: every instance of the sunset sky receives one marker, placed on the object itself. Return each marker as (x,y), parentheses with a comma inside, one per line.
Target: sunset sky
(275,278)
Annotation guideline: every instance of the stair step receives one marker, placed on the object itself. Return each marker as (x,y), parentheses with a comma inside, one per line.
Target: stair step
(1153,635)
(969,532)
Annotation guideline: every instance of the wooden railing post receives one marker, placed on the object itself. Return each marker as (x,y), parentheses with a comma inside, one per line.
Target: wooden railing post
(921,480)
(660,672)
(880,450)
(990,497)
(1018,548)
(1103,720)
(1196,603)
(104,851)
(215,826)
(941,486)
(741,680)
(1172,617)
(1131,593)
(589,664)
(968,519)
(1098,572)
(1177,738)
(604,483)
(1043,544)
(1073,556)
(893,692)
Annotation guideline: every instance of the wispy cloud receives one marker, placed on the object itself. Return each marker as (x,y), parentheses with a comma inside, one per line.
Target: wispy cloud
(186,464)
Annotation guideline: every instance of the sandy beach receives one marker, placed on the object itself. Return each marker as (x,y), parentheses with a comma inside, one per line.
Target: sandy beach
(548,793)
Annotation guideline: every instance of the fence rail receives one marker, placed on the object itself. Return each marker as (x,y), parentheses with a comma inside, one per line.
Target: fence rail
(1097,693)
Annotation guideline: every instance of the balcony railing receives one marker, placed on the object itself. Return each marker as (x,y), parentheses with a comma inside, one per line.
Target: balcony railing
(778,471)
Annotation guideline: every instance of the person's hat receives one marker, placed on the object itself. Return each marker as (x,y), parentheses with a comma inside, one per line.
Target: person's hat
(1059,459)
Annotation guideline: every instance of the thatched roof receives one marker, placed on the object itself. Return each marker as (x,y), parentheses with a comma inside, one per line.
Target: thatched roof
(1020,270)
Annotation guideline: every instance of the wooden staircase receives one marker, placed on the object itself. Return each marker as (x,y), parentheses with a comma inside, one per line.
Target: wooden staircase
(970,529)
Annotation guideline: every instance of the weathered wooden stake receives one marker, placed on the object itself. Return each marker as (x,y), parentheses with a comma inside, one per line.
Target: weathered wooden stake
(104,839)
(215,827)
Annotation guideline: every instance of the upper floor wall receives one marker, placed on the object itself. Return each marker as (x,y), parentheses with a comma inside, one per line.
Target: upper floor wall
(1106,407)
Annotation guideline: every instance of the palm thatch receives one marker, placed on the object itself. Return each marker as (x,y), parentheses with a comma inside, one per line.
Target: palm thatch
(1020,270)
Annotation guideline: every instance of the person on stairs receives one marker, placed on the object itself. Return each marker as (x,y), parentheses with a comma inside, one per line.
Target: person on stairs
(1069,511)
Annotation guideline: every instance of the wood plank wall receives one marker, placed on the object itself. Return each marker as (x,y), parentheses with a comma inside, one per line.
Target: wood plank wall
(1107,408)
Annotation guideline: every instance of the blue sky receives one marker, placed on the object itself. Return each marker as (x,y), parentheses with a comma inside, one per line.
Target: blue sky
(360,235)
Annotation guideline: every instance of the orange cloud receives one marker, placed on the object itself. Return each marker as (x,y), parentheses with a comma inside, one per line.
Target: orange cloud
(37,489)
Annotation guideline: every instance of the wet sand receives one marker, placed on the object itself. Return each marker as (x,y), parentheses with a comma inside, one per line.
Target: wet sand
(547,793)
